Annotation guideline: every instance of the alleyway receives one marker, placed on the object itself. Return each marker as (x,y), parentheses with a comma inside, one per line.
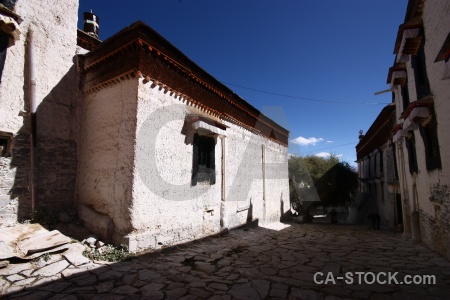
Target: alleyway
(258,263)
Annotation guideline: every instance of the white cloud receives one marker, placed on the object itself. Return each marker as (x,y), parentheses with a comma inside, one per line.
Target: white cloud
(306,141)
(323,154)
(330,142)
(327,154)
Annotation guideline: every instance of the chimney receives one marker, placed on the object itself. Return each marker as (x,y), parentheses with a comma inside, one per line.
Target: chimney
(91,24)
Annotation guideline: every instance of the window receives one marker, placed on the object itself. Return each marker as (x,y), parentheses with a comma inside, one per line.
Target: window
(411,147)
(420,73)
(395,160)
(203,160)
(5,144)
(431,143)
(381,161)
(405,96)
(4,40)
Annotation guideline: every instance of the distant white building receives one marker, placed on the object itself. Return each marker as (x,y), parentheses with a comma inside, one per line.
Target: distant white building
(377,172)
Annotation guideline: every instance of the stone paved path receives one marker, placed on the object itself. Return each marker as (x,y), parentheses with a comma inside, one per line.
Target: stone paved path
(258,263)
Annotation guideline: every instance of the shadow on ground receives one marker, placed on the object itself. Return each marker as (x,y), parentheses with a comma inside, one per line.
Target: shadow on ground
(277,262)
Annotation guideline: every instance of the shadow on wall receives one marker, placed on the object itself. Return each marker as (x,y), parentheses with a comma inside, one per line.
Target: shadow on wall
(250,221)
(56,148)
(363,207)
(285,216)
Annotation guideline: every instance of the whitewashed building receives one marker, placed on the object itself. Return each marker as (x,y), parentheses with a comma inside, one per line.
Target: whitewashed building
(149,148)
(419,80)
(377,171)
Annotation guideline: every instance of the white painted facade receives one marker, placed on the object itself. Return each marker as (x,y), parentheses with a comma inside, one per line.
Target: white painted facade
(377,171)
(140,186)
(425,193)
(421,185)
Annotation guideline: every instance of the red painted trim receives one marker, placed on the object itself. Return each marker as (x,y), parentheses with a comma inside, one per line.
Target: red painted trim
(397,128)
(414,105)
(447,55)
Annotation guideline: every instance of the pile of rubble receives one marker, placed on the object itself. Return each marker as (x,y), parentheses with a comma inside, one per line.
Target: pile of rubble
(97,250)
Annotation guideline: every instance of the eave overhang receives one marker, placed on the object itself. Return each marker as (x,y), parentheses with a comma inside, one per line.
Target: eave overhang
(7,12)
(415,112)
(409,44)
(379,132)
(398,132)
(10,24)
(398,67)
(140,52)
(87,41)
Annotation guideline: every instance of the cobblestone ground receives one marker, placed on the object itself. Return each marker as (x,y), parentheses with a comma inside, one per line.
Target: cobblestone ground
(256,263)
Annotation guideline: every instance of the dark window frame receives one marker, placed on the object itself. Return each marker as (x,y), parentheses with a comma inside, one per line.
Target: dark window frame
(4,42)
(431,144)
(394,149)
(405,95)
(381,162)
(203,159)
(6,139)
(410,142)
(418,63)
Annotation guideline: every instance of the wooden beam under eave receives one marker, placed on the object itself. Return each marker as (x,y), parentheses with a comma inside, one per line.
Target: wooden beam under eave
(412,45)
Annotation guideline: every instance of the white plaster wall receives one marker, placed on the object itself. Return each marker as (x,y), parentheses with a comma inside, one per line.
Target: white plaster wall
(55,35)
(433,216)
(386,205)
(398,101)
(166,209)
(277,183)
(243,157)
(55,29)
(106,154)
(436,19)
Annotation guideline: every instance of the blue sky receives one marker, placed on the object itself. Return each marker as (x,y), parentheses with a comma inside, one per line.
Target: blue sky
(326,50)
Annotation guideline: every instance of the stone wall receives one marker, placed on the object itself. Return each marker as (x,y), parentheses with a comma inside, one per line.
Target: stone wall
(54,27)
(8,205)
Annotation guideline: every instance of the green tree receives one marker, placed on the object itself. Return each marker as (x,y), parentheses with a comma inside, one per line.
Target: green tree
(334,181)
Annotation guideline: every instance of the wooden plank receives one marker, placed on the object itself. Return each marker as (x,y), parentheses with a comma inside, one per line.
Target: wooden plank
(42,242)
